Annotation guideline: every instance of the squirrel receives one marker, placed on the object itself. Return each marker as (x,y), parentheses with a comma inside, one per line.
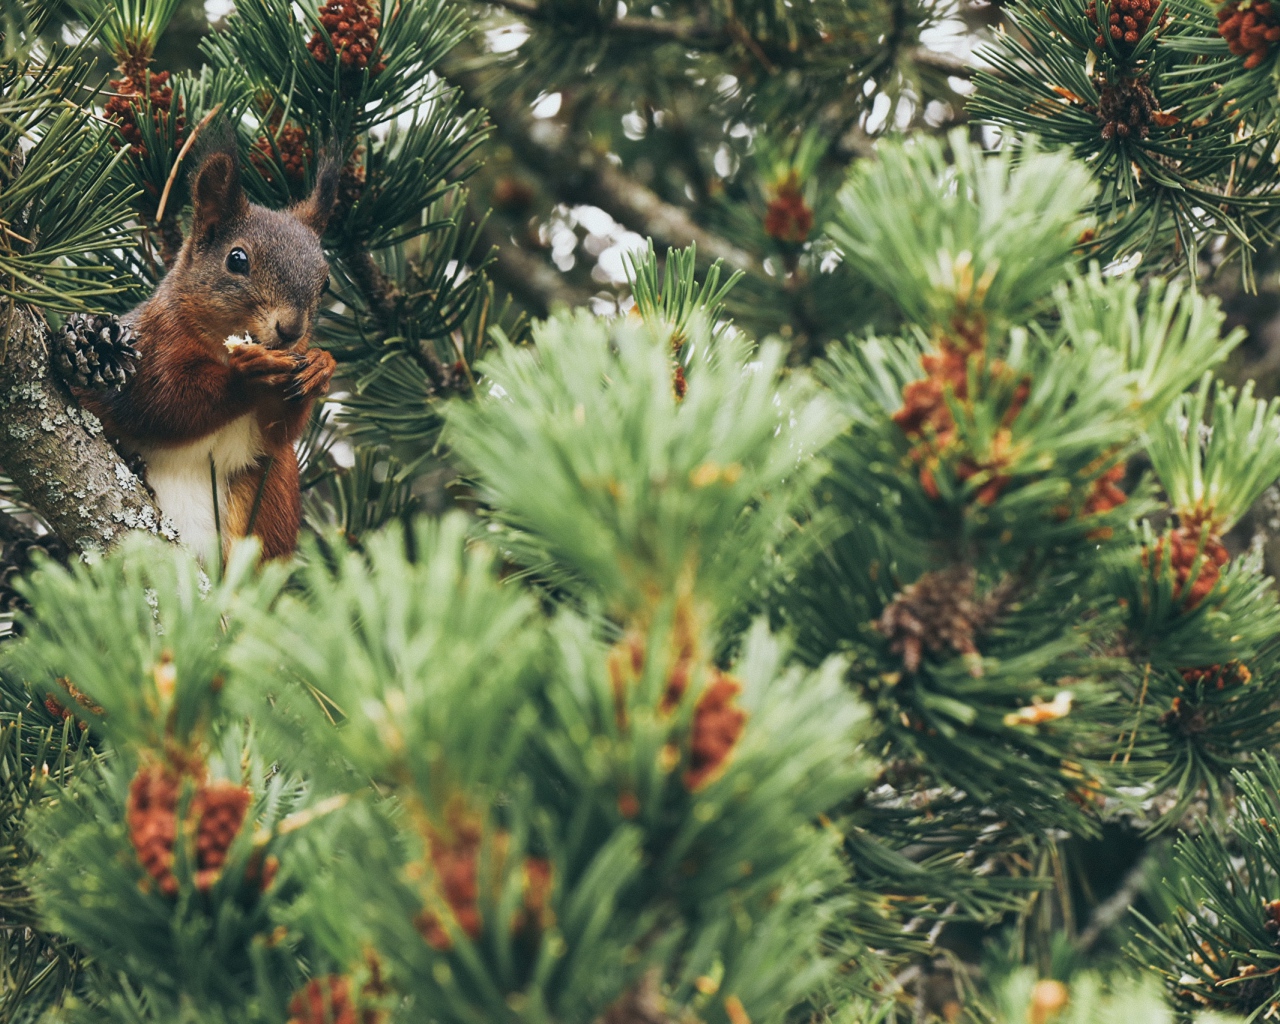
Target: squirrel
(204,407)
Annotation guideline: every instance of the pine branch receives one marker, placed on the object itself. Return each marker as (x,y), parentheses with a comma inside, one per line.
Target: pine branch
(538,286)
(686,32)
(55,452)
(697,35)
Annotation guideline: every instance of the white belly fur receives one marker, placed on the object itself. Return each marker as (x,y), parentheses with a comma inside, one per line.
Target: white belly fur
(183,483)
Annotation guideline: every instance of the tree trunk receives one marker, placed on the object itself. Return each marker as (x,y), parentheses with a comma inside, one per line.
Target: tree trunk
(56,452)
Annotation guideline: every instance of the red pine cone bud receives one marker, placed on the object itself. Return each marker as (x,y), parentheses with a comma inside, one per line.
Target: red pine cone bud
(788,217)
(295,154)
(1127,20)
(717,725)
(127,102)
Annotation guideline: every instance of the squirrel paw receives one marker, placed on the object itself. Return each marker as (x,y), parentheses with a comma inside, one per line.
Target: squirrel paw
(95,351)
(311,379)
(264,366)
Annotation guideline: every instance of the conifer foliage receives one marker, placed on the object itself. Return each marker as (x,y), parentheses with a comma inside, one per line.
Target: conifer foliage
(734,686)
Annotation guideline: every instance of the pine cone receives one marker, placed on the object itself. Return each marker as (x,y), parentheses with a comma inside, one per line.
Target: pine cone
(788,217)
(96,351)
(353,27)
(295,154)
(1126,109)
(124,106)
(940,612)
(16,560)
(221,808)
(152,816)
(455,856)
(1127,21)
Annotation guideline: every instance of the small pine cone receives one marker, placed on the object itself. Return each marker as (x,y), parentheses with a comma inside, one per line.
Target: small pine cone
(1126,109)
(220,808)
(938,612)
(152,816)
(536,914)
(717,725)
(455,858)
(95,351)
(353,27)
(17,559)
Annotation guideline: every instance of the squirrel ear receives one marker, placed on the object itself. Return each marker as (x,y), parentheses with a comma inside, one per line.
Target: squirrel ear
(314,211)
(216,196)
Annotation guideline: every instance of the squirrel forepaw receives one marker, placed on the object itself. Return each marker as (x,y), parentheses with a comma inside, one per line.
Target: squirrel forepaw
(314,373)
(95,351)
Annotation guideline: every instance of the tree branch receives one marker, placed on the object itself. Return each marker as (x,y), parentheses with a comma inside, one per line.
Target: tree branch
(581,175)
(56,452)
(538,286)
(693,34)
(697,35)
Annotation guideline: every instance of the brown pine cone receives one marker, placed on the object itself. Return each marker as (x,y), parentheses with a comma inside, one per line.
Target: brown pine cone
(95,351)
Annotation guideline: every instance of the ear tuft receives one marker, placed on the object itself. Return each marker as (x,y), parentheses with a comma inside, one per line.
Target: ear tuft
(217,197)
(315,210)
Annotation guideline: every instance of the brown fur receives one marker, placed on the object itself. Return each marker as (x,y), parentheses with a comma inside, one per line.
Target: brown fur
(189,385)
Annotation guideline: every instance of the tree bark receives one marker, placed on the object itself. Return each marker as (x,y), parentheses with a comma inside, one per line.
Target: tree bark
(56,452)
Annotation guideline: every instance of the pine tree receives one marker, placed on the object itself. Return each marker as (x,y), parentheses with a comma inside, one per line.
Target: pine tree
(847,619)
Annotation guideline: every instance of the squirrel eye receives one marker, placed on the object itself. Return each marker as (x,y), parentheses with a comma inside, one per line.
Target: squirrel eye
(238,261)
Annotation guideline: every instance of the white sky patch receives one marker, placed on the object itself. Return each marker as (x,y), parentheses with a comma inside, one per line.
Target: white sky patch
(498,40)
(879,113)
(547,105)
(216,10)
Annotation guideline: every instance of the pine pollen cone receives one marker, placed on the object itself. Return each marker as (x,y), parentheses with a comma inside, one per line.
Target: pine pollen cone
(1233,673)
(1184,553)
(717,725)
(1272,910)
(925,417)
(455,856)
(353,27)
(56,708)
(787,217)
(1250,29)
(536,914)
(221,808)
(151,815)
(328,1000)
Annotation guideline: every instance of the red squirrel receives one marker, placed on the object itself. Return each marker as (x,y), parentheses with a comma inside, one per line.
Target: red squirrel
(202,406)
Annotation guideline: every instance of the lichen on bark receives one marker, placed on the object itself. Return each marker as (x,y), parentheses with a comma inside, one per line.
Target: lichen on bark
(56,452)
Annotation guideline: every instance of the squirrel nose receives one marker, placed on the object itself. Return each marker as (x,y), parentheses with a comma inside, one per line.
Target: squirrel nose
(289,332)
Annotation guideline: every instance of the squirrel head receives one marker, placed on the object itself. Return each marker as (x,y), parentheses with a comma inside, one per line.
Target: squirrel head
(248,269)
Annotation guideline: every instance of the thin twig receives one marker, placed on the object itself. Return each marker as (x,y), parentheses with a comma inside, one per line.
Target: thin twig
(186,148)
